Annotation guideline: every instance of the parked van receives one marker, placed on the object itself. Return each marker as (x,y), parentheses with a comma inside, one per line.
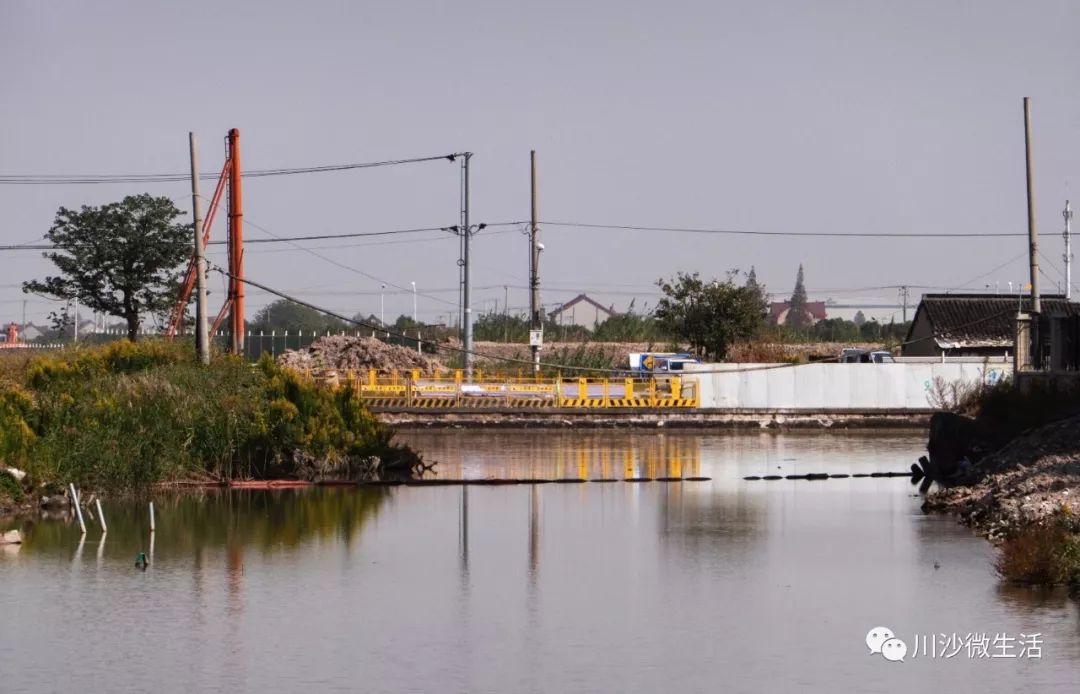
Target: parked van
(866,356)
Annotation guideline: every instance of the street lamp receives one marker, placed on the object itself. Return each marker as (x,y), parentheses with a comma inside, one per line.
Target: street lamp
(414,303)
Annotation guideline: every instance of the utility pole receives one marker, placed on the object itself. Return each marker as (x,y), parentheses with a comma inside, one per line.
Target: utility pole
(202,337)
(1068,251)
(236,244)
(24,313)
(382,306)
(1033,247)
(466,268)
(904,300)
(536,324)
(76,333)
(415,323)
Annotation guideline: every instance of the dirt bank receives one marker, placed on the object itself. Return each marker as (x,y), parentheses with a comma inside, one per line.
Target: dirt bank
(1024,482)
(344,352)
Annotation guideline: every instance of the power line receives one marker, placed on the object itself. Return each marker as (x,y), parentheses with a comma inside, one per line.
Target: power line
(30,246)
(342,265)
(92,179)
(809,234)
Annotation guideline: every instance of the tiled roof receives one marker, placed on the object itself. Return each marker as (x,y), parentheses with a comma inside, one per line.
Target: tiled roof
(816,309)
(982,320)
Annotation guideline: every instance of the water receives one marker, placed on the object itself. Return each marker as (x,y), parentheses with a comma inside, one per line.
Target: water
(725,585)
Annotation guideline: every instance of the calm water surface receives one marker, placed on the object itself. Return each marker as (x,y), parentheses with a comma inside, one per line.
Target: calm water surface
(713,586)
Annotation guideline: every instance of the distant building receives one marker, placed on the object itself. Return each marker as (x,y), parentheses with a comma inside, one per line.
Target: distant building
(973,325)
(581,310)
(779,310)
(29,333)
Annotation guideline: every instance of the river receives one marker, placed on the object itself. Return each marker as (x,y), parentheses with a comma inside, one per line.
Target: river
(721,585)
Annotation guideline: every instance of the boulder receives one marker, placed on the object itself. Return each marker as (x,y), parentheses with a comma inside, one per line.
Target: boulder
(15,472)
(955,443)
(56,501)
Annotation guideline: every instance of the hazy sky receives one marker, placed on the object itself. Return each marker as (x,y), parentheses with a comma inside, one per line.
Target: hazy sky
(855,116)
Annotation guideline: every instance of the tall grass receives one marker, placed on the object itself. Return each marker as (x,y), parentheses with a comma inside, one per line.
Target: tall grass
(1046,553)
(128,415)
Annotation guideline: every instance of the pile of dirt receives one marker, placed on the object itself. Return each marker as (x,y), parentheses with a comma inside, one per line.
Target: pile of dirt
(343,352)
(1029,479)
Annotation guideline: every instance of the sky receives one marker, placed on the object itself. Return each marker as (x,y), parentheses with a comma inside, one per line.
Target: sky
(830,116)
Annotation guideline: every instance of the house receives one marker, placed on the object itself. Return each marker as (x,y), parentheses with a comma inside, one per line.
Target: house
(581,310)
(974,325)
(778,311)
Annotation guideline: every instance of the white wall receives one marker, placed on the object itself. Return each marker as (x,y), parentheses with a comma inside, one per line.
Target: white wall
(832,386)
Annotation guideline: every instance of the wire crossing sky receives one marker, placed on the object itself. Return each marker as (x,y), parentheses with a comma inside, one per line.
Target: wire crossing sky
(877,144)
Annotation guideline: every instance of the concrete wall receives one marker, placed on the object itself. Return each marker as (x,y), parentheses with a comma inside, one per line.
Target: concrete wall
(833,386)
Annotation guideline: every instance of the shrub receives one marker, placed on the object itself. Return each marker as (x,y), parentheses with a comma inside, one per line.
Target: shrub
(1046,553)
(128,415)
(10,487)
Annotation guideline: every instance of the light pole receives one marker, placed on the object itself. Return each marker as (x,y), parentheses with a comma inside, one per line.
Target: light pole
(382,306)
(414,304)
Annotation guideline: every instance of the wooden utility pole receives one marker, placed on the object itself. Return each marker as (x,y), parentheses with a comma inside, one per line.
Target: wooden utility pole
(1033,245)
(536,323)
(236,244)
(202,337)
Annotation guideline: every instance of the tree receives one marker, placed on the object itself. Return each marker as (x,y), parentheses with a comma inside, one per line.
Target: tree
(121,259)
(751,280)
(710,316)
(626,327)
(798,306)
(859,319)
(287,315)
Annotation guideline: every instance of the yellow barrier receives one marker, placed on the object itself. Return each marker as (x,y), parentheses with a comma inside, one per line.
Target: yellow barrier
(442,390)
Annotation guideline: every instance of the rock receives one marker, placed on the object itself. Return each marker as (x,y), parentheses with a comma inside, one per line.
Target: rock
(54,502)
(18,474)
(11,537)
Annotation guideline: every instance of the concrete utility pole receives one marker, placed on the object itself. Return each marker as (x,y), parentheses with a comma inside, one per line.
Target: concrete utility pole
(1068,251)
(202,336)
(536,323)
(382,306)
(414,304)
(466,269)
(1033,247)
(1028,341)
(904,300)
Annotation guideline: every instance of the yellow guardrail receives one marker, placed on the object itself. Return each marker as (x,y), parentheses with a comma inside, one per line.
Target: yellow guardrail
(450,389)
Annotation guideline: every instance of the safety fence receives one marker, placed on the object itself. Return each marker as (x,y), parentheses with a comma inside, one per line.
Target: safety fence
(452,390)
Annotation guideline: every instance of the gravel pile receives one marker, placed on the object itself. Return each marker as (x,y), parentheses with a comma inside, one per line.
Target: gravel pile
(1027,480)
(343,352)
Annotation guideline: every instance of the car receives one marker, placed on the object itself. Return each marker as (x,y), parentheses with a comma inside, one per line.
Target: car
(865,356)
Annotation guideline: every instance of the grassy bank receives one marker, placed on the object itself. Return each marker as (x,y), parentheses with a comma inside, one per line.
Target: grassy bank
(129,415)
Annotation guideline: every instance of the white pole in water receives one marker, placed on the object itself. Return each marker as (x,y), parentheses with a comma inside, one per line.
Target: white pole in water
(151,516)
(101,516)
(78,510)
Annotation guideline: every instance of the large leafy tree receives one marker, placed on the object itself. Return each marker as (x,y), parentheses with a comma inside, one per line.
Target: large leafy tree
(123,259)
(711,316)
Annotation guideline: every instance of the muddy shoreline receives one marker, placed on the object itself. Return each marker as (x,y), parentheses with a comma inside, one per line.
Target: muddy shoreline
(1023,483)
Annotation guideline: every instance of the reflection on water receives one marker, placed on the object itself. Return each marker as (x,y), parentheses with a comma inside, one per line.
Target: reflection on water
(241,520)
(559,455)
(724,585)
